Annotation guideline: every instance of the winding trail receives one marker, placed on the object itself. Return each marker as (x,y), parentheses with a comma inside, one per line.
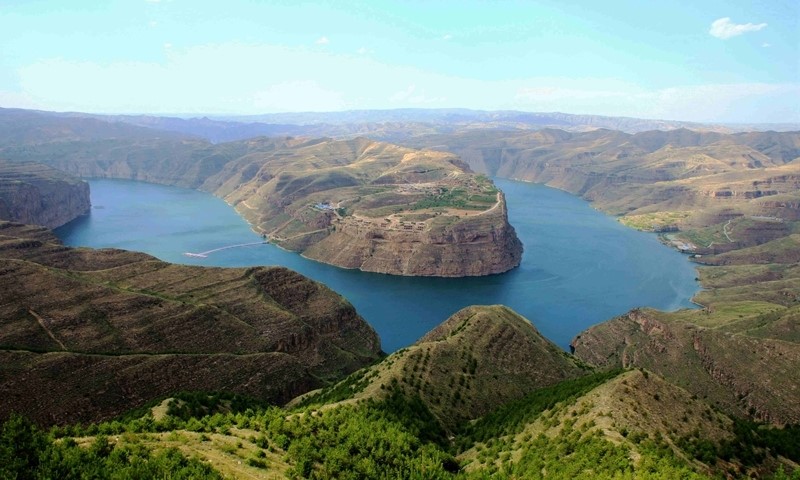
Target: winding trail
(725,231)
(208,252)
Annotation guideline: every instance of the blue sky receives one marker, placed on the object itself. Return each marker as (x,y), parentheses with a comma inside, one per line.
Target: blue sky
(709,60)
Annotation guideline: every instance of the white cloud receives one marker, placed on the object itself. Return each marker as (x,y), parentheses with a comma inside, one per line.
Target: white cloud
(410,95)
(362,51)
(298,96)
(447,37)
(19,100)
(723,28)
(766,45)
(743,103)
(152,24)
(322,41)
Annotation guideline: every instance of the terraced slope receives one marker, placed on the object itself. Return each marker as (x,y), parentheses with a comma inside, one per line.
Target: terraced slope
(711,354)
(475,361)
(87,334)
(409,417)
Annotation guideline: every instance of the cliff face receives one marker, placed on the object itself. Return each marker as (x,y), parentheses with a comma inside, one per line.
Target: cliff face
(109,330)
(40,195)
(377,207)
(480,244)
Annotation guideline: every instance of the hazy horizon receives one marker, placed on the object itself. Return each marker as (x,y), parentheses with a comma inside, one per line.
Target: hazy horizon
(712,62)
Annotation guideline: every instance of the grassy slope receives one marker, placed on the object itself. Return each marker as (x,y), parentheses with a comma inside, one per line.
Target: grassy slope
(603,425)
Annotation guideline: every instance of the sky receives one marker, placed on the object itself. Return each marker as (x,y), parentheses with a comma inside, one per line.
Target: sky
(707,61)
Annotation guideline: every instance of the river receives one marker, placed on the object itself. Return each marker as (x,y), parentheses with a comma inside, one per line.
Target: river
(580,267)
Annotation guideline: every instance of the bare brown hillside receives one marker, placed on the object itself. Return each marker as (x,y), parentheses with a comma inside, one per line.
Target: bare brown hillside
(88,334)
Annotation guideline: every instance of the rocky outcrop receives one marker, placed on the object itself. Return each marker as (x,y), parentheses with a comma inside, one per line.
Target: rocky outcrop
(478,244)
(110,330)
(37,194)
(741,374)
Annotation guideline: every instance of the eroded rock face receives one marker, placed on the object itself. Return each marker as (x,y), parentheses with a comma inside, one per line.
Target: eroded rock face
(40,195)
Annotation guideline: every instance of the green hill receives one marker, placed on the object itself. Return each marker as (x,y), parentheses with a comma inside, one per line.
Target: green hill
(598,424)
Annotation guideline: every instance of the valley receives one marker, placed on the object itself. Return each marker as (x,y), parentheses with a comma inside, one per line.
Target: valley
(693,393)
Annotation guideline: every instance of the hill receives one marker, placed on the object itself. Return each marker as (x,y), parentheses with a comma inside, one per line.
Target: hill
(388,125)
(108,330)
(615,424)
(37,194)
(714,357)
(476,360)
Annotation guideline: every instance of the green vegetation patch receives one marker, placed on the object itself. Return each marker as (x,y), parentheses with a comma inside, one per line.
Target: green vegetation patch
(575,454)
(749,447)
(649,222)
(27,452)
(458,197)
(722,313)
(512,417)
(396,437)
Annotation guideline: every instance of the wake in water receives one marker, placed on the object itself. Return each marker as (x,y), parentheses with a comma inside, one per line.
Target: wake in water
(209,252)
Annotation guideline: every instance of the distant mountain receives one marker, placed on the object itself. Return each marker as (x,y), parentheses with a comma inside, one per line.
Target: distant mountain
(32,127)
(387,125)
(507,118)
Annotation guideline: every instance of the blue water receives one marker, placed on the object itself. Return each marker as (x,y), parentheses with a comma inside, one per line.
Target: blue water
(579,268)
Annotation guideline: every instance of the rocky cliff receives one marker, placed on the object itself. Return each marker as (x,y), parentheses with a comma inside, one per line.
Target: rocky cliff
(377,207)
(109,330)
(37,194)
(480,244)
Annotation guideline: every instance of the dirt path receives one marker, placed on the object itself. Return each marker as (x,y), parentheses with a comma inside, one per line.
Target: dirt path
(46,329)
(725,231)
